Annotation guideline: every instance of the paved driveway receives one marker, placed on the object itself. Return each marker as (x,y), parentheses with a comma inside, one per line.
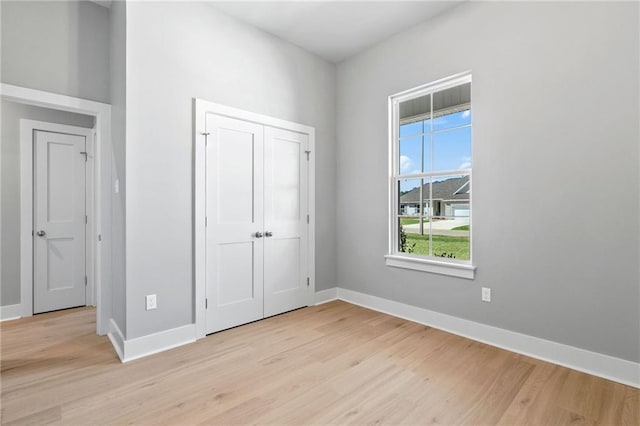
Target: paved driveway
(441,227)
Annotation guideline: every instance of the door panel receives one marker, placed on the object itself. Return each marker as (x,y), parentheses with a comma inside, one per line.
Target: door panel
(285,174)
(282,264)
(59,213)
(235,262)
(234,206)
(235,176)
(285,184)
(60,253)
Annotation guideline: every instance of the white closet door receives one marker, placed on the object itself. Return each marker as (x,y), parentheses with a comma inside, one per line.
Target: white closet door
(285,212)
(234,211)
(59,221)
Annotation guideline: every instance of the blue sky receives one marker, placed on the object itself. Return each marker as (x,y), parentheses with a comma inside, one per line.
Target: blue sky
(451,147)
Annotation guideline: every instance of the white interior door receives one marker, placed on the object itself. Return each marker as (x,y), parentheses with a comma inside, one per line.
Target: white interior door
(59,221)
(285,212)
(234,222)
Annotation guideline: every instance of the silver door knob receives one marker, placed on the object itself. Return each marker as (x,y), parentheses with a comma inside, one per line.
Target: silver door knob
(258,234)
(268,234)
(41,233)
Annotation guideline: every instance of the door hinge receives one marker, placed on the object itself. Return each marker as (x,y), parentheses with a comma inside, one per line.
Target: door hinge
(206,221)
(85,155)
(85,280)
(206,139)
(206,303)
(308,280)
(86,219)
(307,219)
(307,152)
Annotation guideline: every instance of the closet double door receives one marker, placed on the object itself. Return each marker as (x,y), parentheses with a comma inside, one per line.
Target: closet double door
(256,222)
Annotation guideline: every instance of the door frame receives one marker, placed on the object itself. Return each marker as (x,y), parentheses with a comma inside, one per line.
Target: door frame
(101,232)
(200,108)
(27,194)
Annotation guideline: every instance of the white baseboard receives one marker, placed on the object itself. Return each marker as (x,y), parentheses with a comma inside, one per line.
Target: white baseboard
(10,312)
(158,342)
(325,296)
(130,349)
(117,339)
(605,366)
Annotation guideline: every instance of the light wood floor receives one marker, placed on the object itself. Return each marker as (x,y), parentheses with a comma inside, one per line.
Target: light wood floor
(329,364)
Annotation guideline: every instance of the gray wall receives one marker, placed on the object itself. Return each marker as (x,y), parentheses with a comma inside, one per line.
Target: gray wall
(10,190)
(117,72)
(556,182)
(59,46)
(192,50)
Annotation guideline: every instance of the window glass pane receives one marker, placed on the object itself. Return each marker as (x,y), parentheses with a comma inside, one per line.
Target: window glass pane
(410,240)
(452,107)
(413,229)
(412,202)
(450,238)
(410,129)
(450,219)
(410,193)
(426,155)
(413,108)
(449,193)
(410,155)
(427,204)
(452,149)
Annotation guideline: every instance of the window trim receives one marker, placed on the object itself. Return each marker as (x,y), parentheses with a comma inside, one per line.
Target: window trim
(395,258)
(450,268)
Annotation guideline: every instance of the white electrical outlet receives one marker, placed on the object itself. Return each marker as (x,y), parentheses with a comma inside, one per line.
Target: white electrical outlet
(151,302)
(486,294)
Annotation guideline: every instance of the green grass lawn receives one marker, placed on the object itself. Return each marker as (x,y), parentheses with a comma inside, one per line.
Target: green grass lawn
(461,228)
(459,246)
(412,220)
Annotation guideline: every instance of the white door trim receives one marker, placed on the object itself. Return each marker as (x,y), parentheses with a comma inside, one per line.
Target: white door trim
(27,128)
(200,107)
(101,184)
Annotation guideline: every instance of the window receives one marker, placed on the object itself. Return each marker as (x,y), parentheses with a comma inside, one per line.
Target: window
(430,178)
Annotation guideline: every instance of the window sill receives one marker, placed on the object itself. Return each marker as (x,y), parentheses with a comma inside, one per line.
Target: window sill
(426,265)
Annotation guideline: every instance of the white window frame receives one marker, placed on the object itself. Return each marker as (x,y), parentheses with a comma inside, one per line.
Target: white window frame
(395,258)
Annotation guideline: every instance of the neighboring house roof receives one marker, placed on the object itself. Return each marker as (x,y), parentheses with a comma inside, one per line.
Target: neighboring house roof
(456,188)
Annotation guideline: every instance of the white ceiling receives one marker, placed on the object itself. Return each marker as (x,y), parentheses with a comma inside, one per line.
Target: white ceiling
(334,30)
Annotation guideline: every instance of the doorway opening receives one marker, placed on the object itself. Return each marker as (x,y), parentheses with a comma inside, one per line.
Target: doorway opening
(58,165)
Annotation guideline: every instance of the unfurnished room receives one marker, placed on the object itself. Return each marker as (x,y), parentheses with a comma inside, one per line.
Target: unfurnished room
(319,212)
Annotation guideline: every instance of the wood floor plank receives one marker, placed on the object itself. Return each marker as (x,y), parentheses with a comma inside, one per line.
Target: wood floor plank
(334,363)
(539,392)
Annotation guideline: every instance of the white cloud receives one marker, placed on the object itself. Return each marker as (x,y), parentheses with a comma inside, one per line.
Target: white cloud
(405,164)
(466,163)
(466,113)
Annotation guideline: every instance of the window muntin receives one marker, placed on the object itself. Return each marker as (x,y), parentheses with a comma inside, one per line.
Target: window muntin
(431,172)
